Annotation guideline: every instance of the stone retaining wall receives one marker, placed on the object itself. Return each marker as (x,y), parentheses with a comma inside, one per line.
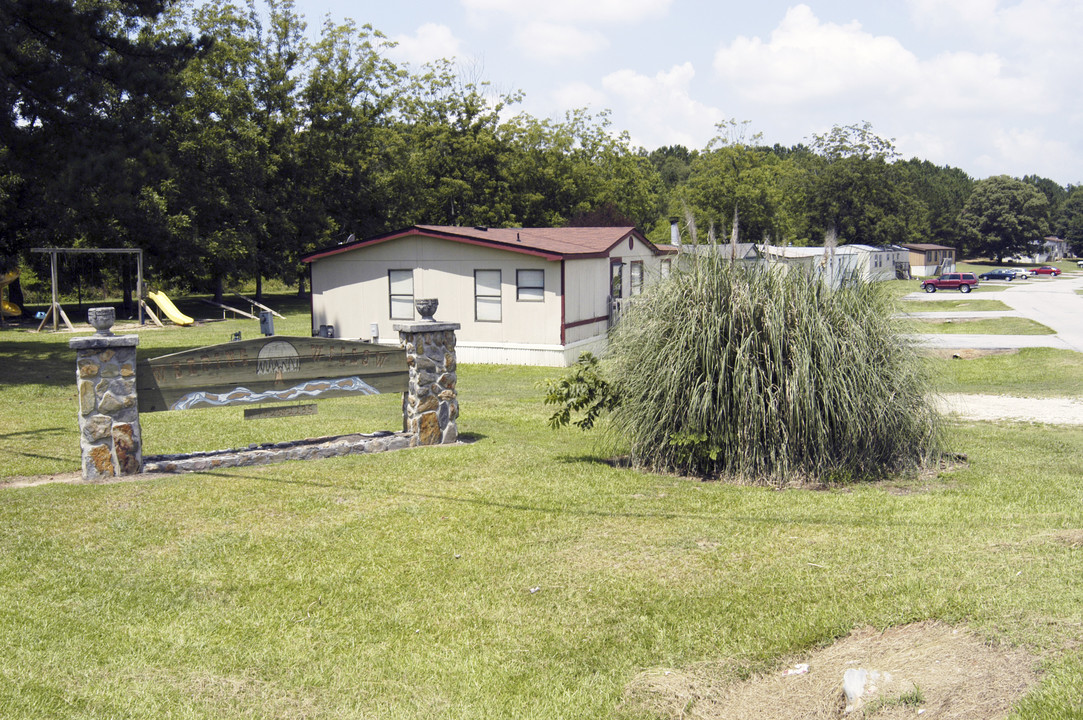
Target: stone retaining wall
(267,453)
(109,409)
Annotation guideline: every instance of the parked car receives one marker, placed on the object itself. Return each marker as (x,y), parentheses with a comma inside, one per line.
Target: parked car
(1045,270)
(1008,274)
(963,282)
(1080,263)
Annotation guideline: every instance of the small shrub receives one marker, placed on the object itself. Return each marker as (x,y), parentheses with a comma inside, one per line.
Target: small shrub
(583,390)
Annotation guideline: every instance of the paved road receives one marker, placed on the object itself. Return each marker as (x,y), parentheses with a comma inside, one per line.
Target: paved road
(1052,302)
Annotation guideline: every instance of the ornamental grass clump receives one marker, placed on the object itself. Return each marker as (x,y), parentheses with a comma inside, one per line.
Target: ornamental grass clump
(767,374)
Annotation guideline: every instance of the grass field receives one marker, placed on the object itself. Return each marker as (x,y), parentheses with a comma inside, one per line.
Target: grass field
(979,326)
(1030,372)
(952,304)
(517,575)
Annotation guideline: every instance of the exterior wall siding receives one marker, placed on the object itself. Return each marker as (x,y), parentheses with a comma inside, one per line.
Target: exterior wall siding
(350,291)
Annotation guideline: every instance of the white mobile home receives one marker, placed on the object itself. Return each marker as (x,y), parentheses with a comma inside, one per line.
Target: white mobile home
(528,296)
(865,262)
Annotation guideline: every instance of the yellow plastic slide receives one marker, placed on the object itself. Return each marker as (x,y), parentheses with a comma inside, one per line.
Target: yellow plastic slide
(169,309)
(7,307)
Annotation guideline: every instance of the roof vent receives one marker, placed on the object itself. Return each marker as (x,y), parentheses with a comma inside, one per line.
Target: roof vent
(481,227)
(517,238)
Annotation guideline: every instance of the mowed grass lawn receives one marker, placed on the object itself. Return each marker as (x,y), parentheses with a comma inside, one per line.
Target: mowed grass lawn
(956,305)
(514,576)
(979,326)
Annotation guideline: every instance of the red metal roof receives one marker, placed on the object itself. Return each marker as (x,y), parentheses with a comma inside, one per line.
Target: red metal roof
(925,246)
(550,243)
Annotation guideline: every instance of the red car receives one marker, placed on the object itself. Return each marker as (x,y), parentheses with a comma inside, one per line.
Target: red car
(962,282)
(1045,270)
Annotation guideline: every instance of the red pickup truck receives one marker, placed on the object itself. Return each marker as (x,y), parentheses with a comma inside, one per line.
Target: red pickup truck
(963,282)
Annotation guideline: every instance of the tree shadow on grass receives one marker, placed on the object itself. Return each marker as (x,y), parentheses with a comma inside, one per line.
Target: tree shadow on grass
(618,461)
(52,363)
(37,362)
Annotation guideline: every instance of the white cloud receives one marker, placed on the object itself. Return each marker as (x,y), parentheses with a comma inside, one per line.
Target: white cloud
(430,42)
(966,82)
(807,61)
(660,109)
(574,11)
(1031,149)
(573,96)
(1031,22)
(954,14)
(554,43)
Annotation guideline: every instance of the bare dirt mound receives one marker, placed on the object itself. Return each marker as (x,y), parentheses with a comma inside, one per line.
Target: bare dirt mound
(926,670)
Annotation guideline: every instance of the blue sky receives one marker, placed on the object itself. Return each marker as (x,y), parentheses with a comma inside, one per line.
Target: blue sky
(988,86)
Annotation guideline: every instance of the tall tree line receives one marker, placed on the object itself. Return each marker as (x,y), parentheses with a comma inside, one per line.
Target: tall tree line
(227,141)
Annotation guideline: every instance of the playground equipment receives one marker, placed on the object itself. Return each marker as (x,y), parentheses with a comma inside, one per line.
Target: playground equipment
(227,308)
(56,312)
(8,308)
(169,309)
(261,306)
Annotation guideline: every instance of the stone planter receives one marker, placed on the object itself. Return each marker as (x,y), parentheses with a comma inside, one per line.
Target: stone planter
(102,319)
(426,307)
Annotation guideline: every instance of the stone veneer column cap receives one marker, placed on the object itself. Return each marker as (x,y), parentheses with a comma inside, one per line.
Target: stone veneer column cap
(424,327)
(95,342)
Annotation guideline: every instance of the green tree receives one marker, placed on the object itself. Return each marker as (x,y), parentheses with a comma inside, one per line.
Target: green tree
(1070,220)
(219,154)
(674,164)
(79,84)
(943,191)
(1054,192)
(1004,217)
(230,201)
(734,177)
(859,193)
(345,141)
(444,153)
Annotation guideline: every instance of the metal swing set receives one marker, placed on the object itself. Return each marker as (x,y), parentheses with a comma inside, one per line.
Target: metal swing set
(56,312)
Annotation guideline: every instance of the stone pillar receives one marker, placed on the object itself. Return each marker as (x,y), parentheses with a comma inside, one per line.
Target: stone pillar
(108,404)
(430,407)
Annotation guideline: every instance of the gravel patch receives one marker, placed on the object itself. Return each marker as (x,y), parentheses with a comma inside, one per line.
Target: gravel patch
(1053,411)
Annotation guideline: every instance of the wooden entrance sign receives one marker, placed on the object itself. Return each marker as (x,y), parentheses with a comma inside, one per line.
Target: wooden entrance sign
(271,369)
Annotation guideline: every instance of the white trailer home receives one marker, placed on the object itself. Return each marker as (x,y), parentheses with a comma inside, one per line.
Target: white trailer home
(864,262)
(526,296)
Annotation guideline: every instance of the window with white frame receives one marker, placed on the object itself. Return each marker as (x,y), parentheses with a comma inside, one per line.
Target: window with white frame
(400,285)
(487,295)
(635,278)
(530,285)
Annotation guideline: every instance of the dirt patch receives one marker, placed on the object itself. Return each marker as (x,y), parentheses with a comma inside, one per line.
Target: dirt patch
(926,669)
(1071,538)
(71,478)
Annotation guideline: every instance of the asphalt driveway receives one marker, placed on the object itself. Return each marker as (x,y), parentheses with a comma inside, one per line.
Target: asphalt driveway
(1052,302)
